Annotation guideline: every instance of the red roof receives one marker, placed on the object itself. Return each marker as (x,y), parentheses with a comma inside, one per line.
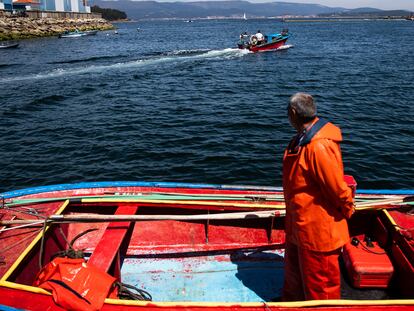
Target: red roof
(26,1)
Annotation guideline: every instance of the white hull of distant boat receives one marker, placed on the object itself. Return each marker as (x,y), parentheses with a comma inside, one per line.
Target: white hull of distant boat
(9,45)
(76,34)
(90,32)
(73,35)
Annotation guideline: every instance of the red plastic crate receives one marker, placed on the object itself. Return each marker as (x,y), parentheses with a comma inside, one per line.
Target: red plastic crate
(367,267)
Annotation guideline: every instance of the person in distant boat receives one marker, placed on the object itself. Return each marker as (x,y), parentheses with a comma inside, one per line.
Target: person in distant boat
(260,37)
(243,38)
(318,204)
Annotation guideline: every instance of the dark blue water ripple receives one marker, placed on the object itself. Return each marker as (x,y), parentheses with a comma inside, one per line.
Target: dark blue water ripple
(177,102)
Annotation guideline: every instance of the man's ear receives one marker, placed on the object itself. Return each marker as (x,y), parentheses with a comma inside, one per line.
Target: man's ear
(293,118)
(293,112)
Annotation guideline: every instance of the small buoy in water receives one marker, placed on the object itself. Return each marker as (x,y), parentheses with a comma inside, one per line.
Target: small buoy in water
(115,32)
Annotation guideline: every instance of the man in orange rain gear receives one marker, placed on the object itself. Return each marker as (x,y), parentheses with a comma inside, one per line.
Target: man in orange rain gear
(318,202)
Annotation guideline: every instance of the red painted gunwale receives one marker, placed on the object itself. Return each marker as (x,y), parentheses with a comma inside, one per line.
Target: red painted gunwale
(268,47)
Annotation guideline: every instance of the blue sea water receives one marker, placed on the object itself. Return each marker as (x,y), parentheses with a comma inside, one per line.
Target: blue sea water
(177,101)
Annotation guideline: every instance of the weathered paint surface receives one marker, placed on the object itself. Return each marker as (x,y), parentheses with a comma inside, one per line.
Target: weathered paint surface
(238,276)
(193,261)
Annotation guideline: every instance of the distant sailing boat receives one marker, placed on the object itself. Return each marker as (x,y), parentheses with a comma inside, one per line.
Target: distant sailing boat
(244,16)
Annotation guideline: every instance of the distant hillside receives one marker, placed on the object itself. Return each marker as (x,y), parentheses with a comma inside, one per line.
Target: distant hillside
(236,9)
(204,9)
(368,12)
(109,14)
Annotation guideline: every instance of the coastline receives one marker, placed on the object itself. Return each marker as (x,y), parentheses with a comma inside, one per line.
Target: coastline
(17,28)
(275,18)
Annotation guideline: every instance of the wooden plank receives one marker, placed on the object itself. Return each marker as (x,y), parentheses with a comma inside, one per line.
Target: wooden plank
(108,247)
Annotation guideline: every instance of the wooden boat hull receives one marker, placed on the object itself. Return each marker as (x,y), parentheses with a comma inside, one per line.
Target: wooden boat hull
(196,246)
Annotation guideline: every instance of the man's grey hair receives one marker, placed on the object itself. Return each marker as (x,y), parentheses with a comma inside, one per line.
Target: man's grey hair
(304,105)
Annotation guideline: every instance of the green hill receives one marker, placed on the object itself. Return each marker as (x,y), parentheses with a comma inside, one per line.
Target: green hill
(109,14)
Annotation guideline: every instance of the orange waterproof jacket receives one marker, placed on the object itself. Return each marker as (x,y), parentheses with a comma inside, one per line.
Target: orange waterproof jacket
(318,200)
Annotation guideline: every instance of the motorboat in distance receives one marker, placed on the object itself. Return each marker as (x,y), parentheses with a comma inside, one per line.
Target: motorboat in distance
(77,33)
(8,45)
(271,41)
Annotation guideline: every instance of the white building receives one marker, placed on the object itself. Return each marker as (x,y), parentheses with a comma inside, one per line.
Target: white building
(76,6)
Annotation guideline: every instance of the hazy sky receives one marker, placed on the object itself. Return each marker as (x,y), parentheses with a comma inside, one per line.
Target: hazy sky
(349,4)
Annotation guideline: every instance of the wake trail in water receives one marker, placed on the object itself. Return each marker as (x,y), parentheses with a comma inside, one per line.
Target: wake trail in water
(178,52)
(8,65)
(285,47)
(96,58)
(182,55)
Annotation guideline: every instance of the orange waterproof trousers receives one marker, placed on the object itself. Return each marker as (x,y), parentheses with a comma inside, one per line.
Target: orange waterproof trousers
(311,275)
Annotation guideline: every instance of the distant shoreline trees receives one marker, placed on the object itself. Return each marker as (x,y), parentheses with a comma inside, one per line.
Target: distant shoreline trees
(109,14)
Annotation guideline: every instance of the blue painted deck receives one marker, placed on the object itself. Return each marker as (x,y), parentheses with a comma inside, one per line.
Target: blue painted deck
(235,277)
(7,308)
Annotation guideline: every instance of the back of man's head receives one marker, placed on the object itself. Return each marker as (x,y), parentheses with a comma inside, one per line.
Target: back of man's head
(304,106)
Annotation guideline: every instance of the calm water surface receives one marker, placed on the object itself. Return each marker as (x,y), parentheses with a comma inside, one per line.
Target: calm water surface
(178,102)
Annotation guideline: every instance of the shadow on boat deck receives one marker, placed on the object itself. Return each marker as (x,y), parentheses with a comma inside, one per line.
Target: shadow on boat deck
(261,272)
